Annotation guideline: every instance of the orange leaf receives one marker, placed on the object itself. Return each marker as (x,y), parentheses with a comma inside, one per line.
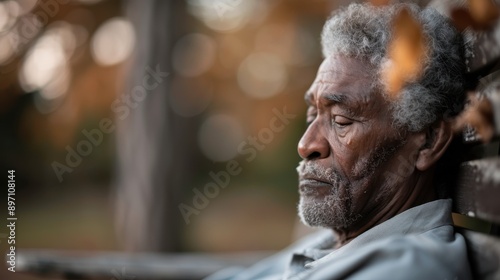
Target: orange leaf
(406,51)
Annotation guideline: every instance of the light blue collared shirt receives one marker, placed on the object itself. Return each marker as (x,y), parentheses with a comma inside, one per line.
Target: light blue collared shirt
(419,243)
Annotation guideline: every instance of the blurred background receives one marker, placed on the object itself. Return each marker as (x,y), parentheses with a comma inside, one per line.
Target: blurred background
(156,126)
(114,112)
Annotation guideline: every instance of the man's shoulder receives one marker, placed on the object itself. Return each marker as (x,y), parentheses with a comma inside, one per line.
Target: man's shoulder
(415,256)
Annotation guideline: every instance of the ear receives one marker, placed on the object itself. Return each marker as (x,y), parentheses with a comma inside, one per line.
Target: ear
(438,137)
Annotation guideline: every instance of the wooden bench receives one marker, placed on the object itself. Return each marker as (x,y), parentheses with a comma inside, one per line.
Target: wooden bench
(476,195)
(73,265)
(476,203)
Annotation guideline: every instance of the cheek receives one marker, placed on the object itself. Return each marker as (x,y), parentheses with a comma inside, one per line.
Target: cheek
(348,151)
(343,139)
(358,136)
(363,151)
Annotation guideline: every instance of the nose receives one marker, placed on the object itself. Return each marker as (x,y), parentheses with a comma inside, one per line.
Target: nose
(313,145)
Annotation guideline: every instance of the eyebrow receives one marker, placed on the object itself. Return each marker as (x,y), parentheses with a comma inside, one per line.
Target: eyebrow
(335,99)
(343,101)
(330,98)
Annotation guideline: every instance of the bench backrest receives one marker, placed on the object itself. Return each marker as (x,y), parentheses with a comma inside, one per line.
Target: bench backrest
(476,195)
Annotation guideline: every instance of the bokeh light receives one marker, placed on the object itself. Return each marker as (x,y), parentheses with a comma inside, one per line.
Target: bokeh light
(58,85)
(65,33)
(26,30)
(226,15)
(262,75)
(9,13)
(219,137)
(45,61)
(4,15)
(113,42)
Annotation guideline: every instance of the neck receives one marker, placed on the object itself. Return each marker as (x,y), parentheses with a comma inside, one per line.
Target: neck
(412,193)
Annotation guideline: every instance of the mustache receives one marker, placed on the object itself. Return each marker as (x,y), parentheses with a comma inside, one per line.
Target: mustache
(315,171)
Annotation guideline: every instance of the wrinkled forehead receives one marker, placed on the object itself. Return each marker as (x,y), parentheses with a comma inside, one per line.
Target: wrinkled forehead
(343,73)
(346,66)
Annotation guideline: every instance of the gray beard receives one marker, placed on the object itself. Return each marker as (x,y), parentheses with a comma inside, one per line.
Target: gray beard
(332,211)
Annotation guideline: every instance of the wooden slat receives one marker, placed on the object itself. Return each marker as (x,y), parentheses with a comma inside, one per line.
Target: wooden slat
(485,44)
(486,49)
(492,92)
(477,193)
(489,87)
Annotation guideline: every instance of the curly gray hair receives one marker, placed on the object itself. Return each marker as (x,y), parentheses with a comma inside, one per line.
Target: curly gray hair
(364,31)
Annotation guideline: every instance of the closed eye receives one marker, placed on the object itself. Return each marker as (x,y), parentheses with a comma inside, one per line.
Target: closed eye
(341,121)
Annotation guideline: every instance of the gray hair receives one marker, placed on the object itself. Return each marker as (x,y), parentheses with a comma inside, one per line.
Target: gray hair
(364,31)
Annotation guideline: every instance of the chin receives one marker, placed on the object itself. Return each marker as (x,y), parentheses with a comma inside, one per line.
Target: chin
(325,211)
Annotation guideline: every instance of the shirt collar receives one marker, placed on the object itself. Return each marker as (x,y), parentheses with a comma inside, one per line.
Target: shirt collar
(415,220)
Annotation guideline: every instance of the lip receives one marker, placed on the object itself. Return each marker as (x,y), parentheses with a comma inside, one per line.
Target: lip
(313,182)
(313,187)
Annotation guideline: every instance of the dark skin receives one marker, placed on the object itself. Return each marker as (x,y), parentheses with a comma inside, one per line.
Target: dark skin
(347,120)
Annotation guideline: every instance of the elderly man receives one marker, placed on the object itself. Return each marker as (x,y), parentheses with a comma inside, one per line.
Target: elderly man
(382,221)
